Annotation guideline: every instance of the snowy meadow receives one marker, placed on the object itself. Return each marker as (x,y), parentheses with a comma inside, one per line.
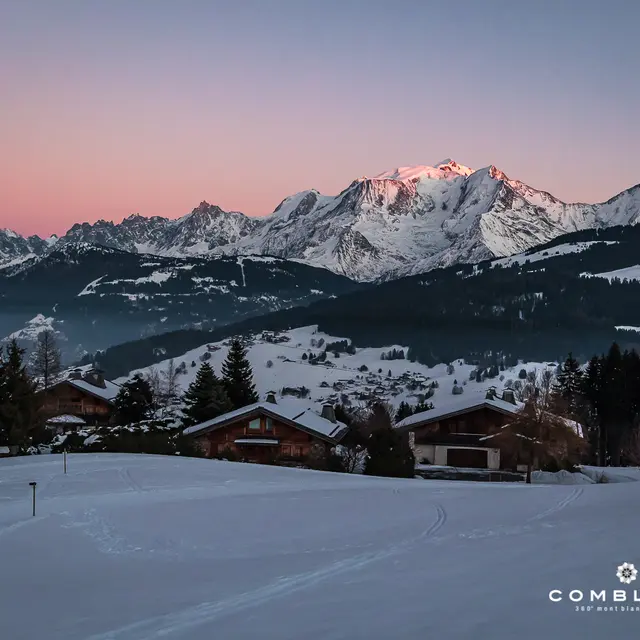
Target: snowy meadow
(137,547)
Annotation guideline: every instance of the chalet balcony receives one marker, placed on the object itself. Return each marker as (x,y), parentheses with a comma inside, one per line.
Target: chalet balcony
(257,441)
(74,408)
(452,439)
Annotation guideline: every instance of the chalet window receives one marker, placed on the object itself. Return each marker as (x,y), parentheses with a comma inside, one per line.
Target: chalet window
(255,424)
(295,452)
(285,450)
(268,422)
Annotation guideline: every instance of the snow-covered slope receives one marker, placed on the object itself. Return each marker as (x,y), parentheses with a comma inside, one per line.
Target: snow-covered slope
(628,273)
(130,547)
(547,254)
(281,364)
(404,221)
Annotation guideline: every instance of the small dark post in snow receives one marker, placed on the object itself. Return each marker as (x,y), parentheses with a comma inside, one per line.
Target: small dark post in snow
(33,486)
(64,454)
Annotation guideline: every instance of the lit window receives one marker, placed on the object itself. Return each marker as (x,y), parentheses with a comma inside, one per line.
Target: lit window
(255,424)
(268,424)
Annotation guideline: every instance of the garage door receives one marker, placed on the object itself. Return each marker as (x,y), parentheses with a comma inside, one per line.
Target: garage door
(476,458)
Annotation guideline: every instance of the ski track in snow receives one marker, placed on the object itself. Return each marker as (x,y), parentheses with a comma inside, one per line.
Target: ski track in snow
(565,502)
(208,612)
(21,523)
(127,478)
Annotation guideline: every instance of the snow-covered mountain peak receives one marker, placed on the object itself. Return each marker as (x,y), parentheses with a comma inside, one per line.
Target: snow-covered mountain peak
(452,166)
(406,220)
(205,207)
(446,169)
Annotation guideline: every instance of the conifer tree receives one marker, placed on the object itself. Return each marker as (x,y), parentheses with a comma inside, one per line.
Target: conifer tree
(568,386)
(404,411)
(206,398)
(237,376)
(388,450)
(134,402)
(19,403)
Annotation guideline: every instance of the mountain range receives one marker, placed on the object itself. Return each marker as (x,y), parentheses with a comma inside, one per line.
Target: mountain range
(402,222)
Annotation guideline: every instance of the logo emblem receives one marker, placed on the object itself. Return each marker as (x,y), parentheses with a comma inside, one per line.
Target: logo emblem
(627,573)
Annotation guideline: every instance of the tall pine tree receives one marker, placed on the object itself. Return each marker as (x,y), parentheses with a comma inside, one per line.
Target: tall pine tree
(237,376)
(611,389)
(591,389)
(19,403)
(206,398)
(613,403)
(388,450)
(568,387)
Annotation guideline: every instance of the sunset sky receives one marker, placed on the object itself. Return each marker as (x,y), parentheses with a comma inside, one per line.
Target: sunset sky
(110,107)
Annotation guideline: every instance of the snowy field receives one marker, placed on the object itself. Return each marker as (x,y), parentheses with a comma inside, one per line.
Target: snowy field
(136,547)
(277,366)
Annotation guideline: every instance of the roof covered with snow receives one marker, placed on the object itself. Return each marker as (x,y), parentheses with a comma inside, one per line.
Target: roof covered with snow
(108,392)
(459,404)
(305,419)
(65,419)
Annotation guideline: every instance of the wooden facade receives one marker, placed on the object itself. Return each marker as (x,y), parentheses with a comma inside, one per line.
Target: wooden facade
(258,437)
(66,399)
(456,439)
(467,426)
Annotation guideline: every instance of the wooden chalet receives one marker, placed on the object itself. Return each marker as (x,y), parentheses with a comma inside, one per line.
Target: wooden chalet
(82,398)
(452,435)
(267,431)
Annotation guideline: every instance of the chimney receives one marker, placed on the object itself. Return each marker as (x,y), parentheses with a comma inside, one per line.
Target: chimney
(491,393)
(328,412)
(271,397)
(76,374)
(99,378)
(95,377)
(509,396)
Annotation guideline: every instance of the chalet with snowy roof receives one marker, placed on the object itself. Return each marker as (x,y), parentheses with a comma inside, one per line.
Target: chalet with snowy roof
(452,434)
(83,397)
(267,431)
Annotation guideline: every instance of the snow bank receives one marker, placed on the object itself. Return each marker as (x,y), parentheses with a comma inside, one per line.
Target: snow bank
(612,474)
(560,477)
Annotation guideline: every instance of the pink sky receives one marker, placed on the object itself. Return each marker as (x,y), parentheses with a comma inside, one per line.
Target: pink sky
(114,110)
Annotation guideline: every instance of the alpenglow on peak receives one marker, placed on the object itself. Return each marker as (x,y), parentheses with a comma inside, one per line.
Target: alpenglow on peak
(445,169)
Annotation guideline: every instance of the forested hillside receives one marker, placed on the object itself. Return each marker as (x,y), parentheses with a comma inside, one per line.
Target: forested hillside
(539,305)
